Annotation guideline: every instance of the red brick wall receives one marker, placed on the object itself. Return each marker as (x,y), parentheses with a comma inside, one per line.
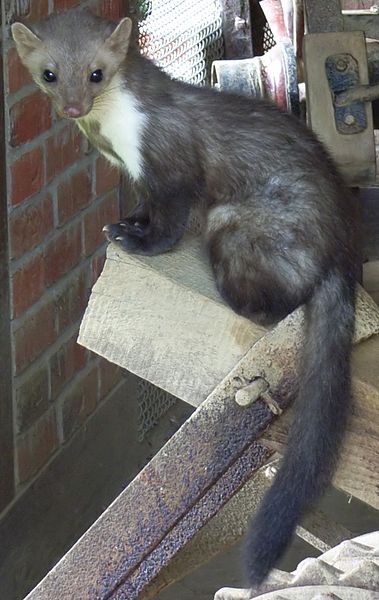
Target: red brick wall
(60,194)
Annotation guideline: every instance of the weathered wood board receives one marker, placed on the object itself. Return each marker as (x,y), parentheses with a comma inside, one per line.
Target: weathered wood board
(162,318)
(215,434)
(358,468)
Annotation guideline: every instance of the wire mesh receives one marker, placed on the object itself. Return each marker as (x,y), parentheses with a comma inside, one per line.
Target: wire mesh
(153,403)
(268,38)
(182,36)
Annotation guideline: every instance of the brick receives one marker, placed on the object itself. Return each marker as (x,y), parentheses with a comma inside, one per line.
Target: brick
(29,117)
(36,333)
(63,253)
(32,398)
(35,447)
(27,175)
(72,301)
(64,364)
(30,226)
(110,376)
(28,284)
(79,403)
(111,9)
(62,149)
(107,176)
(18,75)
(73,195)
(105,212)
(60,5)
(29,10)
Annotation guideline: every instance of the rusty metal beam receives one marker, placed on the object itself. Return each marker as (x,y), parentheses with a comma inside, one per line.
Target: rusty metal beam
(207,506)
(197,471)
(117,547)
(206,446)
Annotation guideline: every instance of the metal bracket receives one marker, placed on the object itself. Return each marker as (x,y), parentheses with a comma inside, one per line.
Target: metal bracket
(335,65)
(342,72)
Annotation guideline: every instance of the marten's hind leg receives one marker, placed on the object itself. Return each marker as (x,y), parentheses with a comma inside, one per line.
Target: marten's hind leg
(257,278)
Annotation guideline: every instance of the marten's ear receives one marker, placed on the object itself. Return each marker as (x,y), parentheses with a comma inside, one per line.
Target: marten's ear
(118,41)
(26,40)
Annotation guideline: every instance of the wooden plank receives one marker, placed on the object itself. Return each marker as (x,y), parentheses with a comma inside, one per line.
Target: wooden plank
(358,469)
(355,153)
(322,16)
(371,278)
(362,21)
(162,318)
(116,558)
(186,467)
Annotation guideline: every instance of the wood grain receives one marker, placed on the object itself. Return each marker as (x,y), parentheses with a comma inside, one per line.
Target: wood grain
(161,318)
(358,469)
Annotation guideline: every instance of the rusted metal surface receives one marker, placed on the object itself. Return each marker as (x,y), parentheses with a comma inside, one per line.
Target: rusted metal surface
(342,72)
(225,529)
(164,492)
(193,520)
(202,465)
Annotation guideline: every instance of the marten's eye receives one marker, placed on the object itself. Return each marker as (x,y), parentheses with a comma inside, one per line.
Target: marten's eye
(49,76)
(96,76)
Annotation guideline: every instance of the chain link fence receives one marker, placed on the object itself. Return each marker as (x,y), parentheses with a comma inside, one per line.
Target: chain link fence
(182,36)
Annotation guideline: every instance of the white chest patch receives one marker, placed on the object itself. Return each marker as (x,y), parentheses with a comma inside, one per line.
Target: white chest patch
(122,123)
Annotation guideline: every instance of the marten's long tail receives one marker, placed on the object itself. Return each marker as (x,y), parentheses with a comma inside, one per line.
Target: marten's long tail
(321,410)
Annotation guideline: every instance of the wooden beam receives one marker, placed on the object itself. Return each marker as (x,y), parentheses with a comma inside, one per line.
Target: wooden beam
(175,494)
(323,16)
(162,318)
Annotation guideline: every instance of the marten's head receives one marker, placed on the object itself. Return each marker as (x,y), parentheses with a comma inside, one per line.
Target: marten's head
(74,57)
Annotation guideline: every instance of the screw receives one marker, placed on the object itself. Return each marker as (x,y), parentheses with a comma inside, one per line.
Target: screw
(349,119)
(341,64)
(239,23)
(271,471)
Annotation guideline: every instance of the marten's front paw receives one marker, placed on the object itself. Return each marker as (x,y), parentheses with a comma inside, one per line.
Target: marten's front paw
(131,227)
(127,234)
(132,235)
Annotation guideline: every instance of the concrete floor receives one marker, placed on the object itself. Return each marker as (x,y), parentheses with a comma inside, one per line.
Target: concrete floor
(226,570)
